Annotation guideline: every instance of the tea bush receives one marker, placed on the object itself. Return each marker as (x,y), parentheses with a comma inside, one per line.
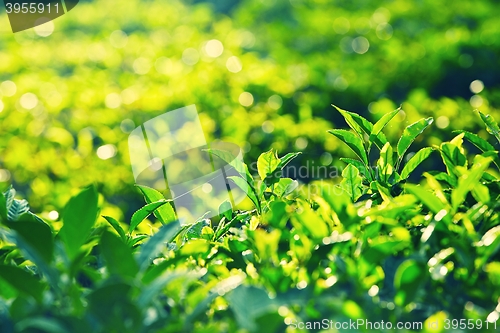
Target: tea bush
(374,247)
(111,65)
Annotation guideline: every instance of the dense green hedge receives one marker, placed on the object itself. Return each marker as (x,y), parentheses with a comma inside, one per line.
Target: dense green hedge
(375,247)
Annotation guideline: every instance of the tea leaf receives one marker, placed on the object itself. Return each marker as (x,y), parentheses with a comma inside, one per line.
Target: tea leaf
(164,213)
(79,216)
(410,134)
(415,161)
(353,142)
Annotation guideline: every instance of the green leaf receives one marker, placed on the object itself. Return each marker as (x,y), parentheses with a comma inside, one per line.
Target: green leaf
(165,213)
(307,221)
(477,141)
(36,233)
(469,180)
(409,278)
(203,304)
(385,163)
(410,134)
(118,256)
(267,163)
(415,161)
(3,208)
(144,212)
(195,230)
(353,142)
(360,166)
(248,303)
(382,122)
(284,160)
(150,291)
(236,163)
(276,175)
(351,182)
(111,307)
(245,187)
(285,186)
(23,281)
(428,199)
(452,157)
(226,210)
(16,209)
(377,136)
(154,245)
(482,145)
(359,124)
(116,225)
(491,125)
(40,324)
(79,217)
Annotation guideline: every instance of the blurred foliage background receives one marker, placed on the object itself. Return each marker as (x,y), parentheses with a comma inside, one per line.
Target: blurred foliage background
(262,74)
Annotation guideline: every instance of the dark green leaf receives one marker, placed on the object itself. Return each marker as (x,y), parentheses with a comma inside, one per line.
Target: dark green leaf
(36,233)
(409,277)
(491,125)
(23,281)
(360,166)
(415,161)
(353,142)
(79,217)
(156,243)
(118,256)
(359,124)
(116,225)
(248,303)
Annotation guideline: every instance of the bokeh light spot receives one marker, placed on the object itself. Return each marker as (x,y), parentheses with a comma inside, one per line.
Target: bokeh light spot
(4,175)
(113,101)
(442,122)
(476,86)
(341,25)
(28,101)
(246,99)
(360,45)
(268,126)
(142,65)
(275,102)
(190,56)
(45,30)
(118,39)
(384,31)
(233,64)
(106,152)
(8,88)
(301,143)
(214,48)
(476,101)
